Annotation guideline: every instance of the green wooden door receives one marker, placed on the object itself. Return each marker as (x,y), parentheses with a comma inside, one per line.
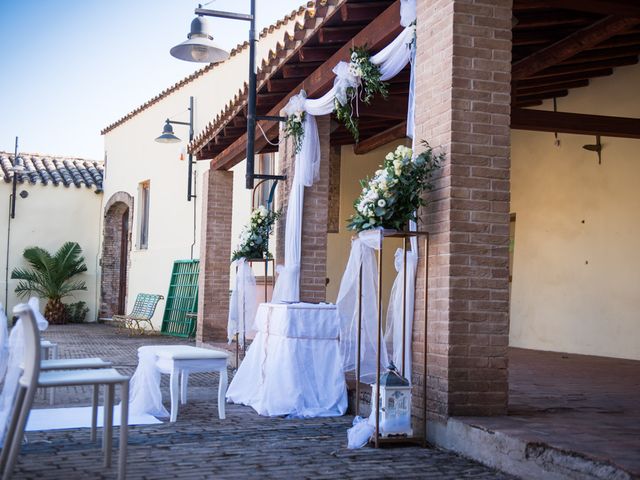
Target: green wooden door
(182,300)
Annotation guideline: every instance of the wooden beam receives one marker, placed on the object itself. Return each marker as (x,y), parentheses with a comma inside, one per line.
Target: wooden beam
(315,54)
(282,84)
(541,96)
(549,19)
(392,107)
(297,70)
(603,54)
(604,7)
(573,44)
(362,12)
(577,123)
(337,34)
(570,77)
(522,91)
(585,67)
(382,138)
(376,35)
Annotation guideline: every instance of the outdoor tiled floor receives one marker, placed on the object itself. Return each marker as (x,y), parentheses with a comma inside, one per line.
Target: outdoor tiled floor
(199,445)
(577,403)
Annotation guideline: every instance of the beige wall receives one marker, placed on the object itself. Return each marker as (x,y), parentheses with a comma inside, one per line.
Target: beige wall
(576,276)
(47,218)
(133,156)
(353,168)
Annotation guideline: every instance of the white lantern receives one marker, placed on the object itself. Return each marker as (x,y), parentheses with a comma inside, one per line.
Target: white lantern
(395,404)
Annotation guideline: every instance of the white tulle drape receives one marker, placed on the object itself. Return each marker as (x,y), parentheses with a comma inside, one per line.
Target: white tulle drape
(391,60)
(363,256)
(145,396)
(243,304)
(13,353)
(393,334)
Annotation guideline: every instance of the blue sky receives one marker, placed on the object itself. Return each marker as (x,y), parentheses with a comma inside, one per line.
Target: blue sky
(72,67)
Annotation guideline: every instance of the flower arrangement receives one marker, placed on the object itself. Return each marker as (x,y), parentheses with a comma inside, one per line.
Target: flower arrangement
(254,238)
(293,128)
(369,78)
(391,198)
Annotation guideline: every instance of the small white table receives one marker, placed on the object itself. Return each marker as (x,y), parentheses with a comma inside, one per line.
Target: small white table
(179,361)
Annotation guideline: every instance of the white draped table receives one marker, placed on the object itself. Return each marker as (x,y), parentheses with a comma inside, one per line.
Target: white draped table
(293,366)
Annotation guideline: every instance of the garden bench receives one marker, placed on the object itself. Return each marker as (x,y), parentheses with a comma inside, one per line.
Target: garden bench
(143,309)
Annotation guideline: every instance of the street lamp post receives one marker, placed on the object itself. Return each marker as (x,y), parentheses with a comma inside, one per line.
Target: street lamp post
(169,137)
(199,47)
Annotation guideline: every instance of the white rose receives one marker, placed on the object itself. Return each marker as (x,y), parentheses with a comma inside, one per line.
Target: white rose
(382,203)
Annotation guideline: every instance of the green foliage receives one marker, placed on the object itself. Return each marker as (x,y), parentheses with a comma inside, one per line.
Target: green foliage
(76,312)
(392,196)
(369,74)
(254,238)
(293,128)
(51,276)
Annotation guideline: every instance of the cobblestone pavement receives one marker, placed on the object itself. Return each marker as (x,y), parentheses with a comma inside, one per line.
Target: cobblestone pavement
(199,445)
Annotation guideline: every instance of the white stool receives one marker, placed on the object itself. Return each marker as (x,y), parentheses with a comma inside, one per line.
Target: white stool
(179,361)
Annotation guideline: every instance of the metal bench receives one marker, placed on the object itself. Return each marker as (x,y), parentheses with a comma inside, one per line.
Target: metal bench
(143,309)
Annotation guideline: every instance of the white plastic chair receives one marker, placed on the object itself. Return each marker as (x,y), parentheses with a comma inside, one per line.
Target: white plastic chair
(33,377)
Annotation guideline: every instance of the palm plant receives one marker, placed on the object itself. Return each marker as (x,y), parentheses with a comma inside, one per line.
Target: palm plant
(51,277)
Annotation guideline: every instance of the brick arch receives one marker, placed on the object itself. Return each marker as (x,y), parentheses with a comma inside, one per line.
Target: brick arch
(116,245)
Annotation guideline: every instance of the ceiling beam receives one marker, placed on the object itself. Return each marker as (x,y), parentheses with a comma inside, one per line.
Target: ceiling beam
(337,34)
(522,91)
(361,12)
(573,44)
(299,70)
(577,123)
(375,35)
(382,138)
(604,7)
(585,67)
(569,77)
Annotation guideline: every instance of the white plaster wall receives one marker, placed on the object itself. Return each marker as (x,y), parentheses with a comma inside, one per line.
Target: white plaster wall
(133,156)
(47,218)
(576,273)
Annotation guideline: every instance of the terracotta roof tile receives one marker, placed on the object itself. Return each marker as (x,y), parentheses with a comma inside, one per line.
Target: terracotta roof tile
(198,73)
(48,169)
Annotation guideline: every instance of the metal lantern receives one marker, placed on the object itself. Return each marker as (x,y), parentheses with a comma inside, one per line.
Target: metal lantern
(395,404)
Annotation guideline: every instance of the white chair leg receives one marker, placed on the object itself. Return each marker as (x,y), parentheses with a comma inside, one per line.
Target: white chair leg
(124,430)
(173,387)
(18,432)
(94,412)
(184,382)
(222,391)
(53,355)
(108,425)
(11,430)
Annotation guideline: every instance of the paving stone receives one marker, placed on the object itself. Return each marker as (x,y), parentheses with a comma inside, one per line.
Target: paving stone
(200,446)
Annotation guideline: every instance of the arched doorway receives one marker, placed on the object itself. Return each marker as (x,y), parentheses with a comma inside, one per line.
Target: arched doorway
(116,244)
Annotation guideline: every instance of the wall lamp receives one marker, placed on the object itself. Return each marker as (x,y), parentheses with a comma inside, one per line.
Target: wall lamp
(200,47)
(169,137)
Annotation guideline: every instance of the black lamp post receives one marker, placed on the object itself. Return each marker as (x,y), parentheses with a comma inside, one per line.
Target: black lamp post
(169,137)
(199,47)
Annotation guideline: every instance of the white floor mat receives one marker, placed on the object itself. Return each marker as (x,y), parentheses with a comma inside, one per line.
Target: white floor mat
(78,417)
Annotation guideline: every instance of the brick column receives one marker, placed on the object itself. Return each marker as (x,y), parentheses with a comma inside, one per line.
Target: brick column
(313,269)
(463,107)
(215,252)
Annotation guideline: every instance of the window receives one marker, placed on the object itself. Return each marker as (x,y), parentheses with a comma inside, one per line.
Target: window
(265,165)
(143,214)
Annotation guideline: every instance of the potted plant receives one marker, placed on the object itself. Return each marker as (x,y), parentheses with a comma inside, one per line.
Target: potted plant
(51,277)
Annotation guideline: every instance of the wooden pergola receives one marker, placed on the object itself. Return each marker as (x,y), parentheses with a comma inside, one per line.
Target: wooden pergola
(558,45)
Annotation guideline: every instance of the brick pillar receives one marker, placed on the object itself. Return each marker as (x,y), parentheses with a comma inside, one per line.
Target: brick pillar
(215,252)
(463,107)
(313,269)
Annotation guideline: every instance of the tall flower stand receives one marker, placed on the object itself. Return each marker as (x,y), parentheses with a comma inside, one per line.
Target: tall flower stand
(267,274)
(377,439)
